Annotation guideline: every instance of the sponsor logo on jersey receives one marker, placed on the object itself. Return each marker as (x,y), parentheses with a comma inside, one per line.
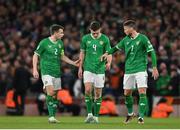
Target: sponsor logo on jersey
(49,46)
(88,42)
(127,43)
(150,46)
(59,46)
(142,104)
(137,43)
(101,42)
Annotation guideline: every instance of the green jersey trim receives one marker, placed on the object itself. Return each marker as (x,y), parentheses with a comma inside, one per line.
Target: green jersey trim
(97,37)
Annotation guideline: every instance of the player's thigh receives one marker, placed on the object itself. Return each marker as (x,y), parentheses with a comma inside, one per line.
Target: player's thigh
(99,80)
(57,83)
(88,77)
(129,82)
(48,84)
(141,79)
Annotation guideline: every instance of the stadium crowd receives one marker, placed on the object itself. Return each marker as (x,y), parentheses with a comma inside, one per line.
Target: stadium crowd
(23,23)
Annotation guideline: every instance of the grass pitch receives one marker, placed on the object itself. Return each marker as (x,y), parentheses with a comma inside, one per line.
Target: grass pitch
(25,122)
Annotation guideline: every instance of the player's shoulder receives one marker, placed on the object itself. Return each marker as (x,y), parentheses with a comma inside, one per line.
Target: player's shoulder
(43,41)
(126,38)
(104,36)
(142,35)
(86,36)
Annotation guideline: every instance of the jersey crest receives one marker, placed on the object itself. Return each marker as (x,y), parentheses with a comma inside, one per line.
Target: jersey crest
(101,42)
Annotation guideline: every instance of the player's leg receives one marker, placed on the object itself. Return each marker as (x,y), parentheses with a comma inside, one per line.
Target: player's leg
(57,87)
(50,102)
(129,84)
(88,80)
(99,84)
(55,105)
(97,103)
(141,79)
(49,89)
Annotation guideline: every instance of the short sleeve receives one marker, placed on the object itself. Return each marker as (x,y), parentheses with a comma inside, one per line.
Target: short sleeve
(148,45)
(62,49)
(83,44)
(40,48)
(107,45)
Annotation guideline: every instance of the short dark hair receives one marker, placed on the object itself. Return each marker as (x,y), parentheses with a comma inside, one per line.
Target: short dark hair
(54,28)
(130,23)
(95,25)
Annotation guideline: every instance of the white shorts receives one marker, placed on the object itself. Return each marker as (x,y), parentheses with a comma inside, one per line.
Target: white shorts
(139,79)
(96,79)
(50,80)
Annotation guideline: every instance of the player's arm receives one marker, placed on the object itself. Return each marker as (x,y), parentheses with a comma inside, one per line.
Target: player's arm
(119,46)
(155,72)
(109,57)
(150,49)
(81,58)
(38,52)
(69,61)
(35,66)
(109,61)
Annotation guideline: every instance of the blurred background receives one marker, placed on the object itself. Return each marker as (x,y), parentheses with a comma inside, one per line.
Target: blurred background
(23,23)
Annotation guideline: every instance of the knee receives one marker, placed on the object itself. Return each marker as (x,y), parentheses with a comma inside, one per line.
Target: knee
(127,92)
(50,92)
(88,91)
(97,95)
(142,90)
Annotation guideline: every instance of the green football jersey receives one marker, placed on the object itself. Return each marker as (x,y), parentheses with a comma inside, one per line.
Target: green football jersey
(136,51)
(93,50)
(50,55)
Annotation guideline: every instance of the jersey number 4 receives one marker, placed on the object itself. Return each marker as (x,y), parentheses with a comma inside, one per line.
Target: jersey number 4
(94,46)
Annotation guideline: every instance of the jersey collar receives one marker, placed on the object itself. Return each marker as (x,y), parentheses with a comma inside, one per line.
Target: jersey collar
(52,41)
(135,36)
(97,37)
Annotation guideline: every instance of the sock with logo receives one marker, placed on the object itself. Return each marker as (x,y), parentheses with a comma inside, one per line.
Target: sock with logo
(97,105)
(55,106)
(142,105)
(50,102)
(129,104)
(88,101)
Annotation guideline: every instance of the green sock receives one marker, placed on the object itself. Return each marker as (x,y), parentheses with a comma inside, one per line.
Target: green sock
(55,106)
(88,101)
(97,105)
(129,103)
(142,104)
(49,102)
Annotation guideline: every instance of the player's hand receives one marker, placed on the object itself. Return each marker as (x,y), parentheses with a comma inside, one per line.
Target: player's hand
(104,56)
(76,63)
(155,73)
(35,74)
(108,66)
(80,72)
